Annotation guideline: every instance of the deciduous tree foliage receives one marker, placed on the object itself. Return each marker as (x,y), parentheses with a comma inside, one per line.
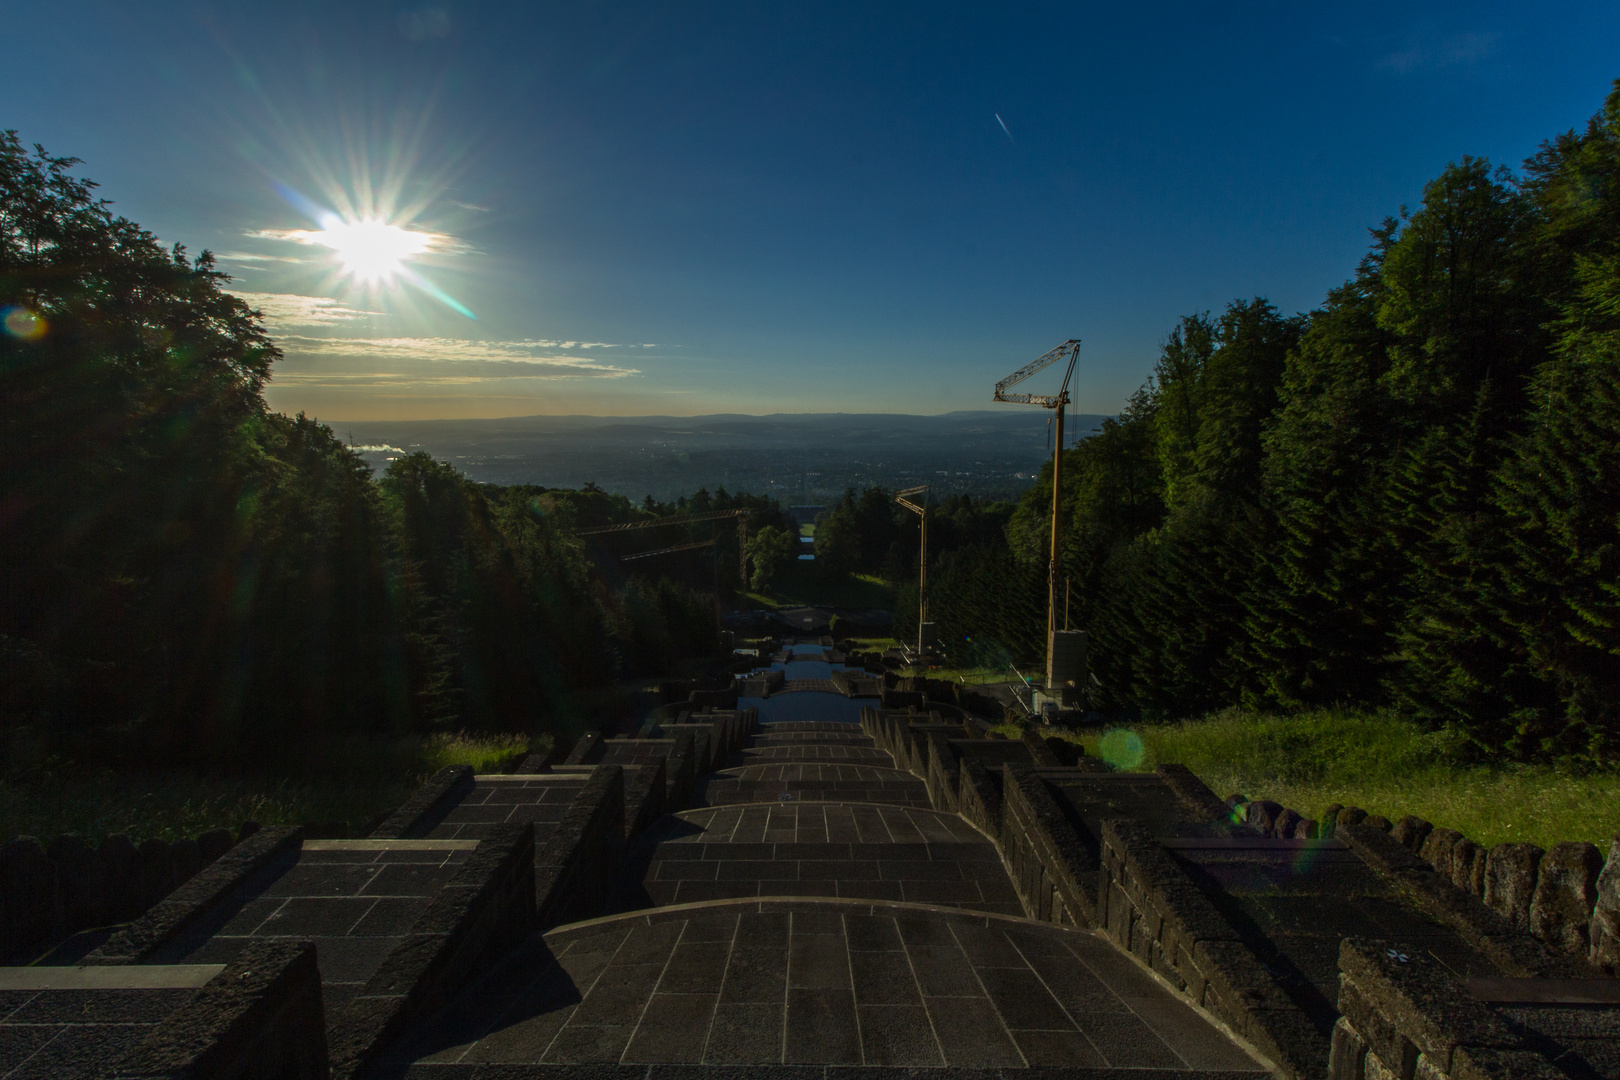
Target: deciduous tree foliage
(190,576)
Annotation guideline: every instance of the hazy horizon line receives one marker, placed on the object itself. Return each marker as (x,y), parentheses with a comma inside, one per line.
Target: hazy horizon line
(679,416)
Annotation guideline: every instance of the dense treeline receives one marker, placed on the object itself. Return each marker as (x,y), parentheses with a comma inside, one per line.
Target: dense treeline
(1410,496)
(190,576)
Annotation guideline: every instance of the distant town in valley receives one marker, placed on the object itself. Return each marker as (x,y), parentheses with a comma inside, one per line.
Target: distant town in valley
(792,457)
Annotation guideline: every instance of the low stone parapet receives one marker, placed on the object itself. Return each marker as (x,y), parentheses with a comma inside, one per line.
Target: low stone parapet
(1405,1016)
(488,904)
(259,1017)
(180,909)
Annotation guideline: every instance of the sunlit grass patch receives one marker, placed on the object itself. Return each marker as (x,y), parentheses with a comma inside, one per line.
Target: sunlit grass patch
(1381,763)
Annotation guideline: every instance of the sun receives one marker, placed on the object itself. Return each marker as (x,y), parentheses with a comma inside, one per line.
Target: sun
(371,251)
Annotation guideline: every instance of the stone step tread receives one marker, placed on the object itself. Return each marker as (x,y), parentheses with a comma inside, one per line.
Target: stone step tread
(821,985)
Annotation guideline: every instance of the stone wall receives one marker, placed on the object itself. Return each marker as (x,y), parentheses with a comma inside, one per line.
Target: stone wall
(1051,868)
(188,903)
(1567,896)
(574,866)
(259,1018)
(425,809)
(50,891)
(1150,908)
(1404,1017)
(489,904)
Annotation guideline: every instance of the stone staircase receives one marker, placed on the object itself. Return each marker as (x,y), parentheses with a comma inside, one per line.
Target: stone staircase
(793,897)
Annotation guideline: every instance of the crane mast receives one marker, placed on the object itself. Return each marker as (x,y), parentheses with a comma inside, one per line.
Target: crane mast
(1056,667)
(904,499)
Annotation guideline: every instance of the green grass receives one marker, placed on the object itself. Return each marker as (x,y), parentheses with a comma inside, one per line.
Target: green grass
(1381,763)
(800,587)
(365,778)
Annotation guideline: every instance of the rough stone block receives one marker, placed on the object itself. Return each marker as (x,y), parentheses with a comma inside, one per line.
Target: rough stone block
(121,867)
(1286,823)
(28,890)
(214,843)
(1306,829)
(1461,869)
(261,1017)
(1510,881)
(1566,891)
(79,882)
(1605,926)
(1378,821)
(1486,1063)
(157,871)
(1262,814)
(1411,832)
(1347,1053)
(1436,850)
(187,857)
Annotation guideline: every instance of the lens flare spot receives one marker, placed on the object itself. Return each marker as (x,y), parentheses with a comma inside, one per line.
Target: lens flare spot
(371,251)
(1122,748)
(24,324)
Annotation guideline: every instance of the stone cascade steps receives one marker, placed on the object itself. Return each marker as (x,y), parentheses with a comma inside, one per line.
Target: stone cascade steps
(820,984)
(357,900)
(542,799)
(811,782)
(853,851)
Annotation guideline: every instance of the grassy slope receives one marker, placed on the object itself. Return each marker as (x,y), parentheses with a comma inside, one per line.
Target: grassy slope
(800,588)
(369,778)
(1384,765)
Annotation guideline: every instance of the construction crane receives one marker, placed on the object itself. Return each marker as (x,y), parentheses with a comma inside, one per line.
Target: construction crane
(1055,402)
(902,497)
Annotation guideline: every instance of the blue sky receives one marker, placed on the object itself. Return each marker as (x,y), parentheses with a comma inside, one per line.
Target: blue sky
(693,208)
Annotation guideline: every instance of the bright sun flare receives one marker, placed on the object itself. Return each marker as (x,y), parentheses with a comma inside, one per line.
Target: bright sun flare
(371,251)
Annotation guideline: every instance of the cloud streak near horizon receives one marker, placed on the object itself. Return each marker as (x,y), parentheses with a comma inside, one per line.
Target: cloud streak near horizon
(402,361)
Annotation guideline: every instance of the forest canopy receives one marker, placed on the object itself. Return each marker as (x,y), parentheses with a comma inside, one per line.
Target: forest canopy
(195,577)
(1409,497)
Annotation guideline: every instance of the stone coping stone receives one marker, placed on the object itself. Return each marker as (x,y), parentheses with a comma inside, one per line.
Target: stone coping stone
(1545,991)
(844,906)
(1515,953)
(191,901)
(432,801)
(120,977)
(1249,843)
(530,778)
(464,1071)
(260,1018)
(373,844)
(487,904)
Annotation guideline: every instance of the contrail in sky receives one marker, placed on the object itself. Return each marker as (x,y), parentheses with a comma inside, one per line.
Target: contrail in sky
(1003,124)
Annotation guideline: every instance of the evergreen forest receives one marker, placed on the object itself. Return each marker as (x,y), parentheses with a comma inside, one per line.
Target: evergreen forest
(193,579)
(1406,498)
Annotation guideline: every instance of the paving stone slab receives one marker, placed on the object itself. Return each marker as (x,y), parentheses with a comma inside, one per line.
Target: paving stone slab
(821,983)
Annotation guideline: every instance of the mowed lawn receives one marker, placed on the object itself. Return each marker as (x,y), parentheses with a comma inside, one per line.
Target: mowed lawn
(1379,762)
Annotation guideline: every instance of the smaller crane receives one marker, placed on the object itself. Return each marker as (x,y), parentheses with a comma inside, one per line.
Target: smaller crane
(903,498)
(1055,402)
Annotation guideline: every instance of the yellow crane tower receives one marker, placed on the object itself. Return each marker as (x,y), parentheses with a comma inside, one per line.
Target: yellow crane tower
(925,629)
(1065,649)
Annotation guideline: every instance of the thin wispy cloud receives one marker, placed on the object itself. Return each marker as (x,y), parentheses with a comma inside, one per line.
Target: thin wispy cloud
(397,360)
(1459,49)
(292,309)
(255,257)
(432,242)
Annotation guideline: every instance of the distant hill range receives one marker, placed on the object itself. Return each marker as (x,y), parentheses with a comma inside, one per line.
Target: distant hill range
(796,457)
